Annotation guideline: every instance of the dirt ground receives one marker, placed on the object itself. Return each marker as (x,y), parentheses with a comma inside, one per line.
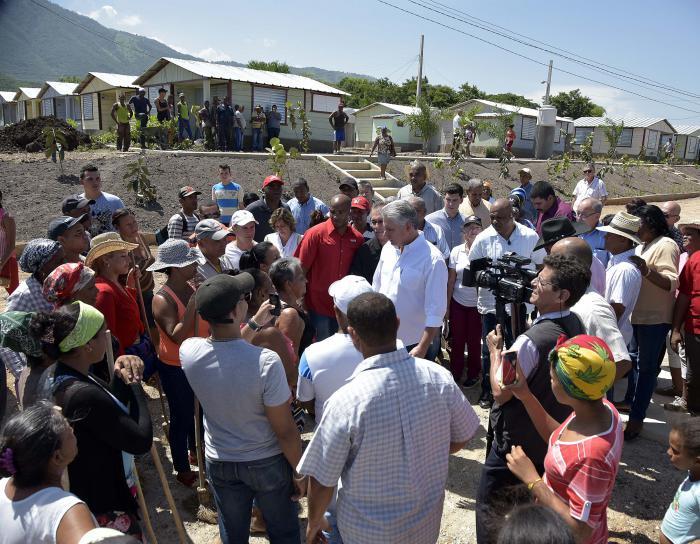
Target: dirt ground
(33,187)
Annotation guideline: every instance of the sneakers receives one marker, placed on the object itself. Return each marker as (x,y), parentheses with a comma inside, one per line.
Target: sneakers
(486,401)
(678,405)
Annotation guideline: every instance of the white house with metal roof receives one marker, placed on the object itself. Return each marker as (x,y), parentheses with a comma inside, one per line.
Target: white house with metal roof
(640,135)
(369,119)
(60,99)
(202,81)
(687,142)
(8,108)
(28,103)
(525,127)
(98,92)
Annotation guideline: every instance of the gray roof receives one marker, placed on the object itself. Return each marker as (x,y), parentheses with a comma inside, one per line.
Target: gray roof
(62,88)
(631,121)
(521,110)
(113,80)
(692,130)
(7,96)
(212,70)
(31,92)
(398,108)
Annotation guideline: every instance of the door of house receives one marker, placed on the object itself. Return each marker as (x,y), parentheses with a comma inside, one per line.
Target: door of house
(652,148)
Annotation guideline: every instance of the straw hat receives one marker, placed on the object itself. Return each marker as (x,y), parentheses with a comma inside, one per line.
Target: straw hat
(624,224)
(105,243)
(174,253)
(691,224)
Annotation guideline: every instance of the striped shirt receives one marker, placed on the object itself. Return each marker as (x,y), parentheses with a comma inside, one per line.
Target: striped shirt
(175,226)
(226,196)
(582,473)
(386,435)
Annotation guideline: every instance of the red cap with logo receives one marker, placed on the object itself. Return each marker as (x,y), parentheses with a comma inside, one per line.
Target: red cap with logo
(272,179)
(361,203)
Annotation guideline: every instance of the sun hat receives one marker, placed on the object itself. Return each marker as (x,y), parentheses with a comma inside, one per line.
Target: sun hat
(692,224)
(59,225)
(187,191)
(174,253)
(242,217)
(584,365)
(472,220)
(558,228)
(624,224)
(217,296)
(75,202)
(65,281)
(210,229)
(361,203)
(272,179)
(37,253)
(345,290)
(107,242)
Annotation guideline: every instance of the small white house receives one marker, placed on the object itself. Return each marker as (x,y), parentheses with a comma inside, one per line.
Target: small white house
(369,119)
(60,100)
(28,103)
(8,108)
(98,92)
(645,135)
(687,142)
(524,119)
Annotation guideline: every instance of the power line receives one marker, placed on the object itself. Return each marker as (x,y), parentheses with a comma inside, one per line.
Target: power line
(519,38)
(439,23)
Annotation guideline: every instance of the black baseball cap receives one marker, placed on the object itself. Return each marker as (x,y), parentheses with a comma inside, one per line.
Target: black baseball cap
(350,182)
(75,202)
(61,224)
(217,297)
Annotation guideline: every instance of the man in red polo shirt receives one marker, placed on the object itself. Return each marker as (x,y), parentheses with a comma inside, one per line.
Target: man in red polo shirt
(326,253)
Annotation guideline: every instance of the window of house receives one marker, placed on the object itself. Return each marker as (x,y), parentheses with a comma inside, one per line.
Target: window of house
(269,96)
(47,107)
(324,103)
(692,145)
(625,139)
(528,129)
(557,131)
(87,106)
(581,134)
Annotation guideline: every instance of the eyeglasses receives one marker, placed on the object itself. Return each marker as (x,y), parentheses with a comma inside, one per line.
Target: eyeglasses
(542,282)
(584,215)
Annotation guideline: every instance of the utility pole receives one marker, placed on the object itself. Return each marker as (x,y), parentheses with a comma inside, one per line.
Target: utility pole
(420,71)
(549,83)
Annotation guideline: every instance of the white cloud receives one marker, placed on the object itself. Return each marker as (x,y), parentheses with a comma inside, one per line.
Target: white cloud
(616,103)
(267,42)
(213,55)
(107,14)
(177,48)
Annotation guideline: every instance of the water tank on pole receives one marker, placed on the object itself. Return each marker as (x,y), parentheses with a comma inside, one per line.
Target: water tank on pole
(546,125)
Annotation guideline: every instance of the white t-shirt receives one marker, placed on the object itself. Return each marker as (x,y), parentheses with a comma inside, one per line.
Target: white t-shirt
(101,212)
(459,260)
(623,282)
(232,256)
(583,190)
(324,368)
(599,320)
(36,518)
(455,123)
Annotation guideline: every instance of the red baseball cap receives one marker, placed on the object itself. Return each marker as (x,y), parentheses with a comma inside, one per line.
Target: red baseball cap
(360,202)
(272,179)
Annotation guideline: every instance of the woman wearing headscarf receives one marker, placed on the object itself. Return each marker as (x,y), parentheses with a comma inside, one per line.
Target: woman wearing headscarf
(35,448)
(68,283)
(584,451)
(111,421)
(657,259)
(175,316)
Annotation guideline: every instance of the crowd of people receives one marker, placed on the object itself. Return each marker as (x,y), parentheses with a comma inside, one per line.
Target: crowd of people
(279,315)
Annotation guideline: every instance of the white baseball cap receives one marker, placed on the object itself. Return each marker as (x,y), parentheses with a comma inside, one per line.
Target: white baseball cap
(242,217)
(345,290)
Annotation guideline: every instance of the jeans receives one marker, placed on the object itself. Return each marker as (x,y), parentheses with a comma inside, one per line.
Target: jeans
(488,323)
(269,482)
(646,350)
(465,327)
(143,123)
(325,326)
(495,496)
(209,136)
(257,139)
(182,126)
(123,136)
(181,406)
(238,139)
(224,135)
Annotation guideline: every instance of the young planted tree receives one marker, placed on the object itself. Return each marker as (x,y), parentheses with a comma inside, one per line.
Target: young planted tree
(612,132)
(425,120)
(497,127)
(297,113)
(55,143)
(278,160)
(137,179)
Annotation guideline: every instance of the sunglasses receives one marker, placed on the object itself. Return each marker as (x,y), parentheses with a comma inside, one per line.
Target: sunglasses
(587,171)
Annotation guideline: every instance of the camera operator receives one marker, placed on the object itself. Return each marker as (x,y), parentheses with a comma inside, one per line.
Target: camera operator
(560,284)
(503,236)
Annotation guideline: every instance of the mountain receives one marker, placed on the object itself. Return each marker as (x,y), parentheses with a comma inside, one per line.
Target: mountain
(42,41)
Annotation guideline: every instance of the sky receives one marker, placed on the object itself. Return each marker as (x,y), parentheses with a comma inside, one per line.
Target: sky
(647,39)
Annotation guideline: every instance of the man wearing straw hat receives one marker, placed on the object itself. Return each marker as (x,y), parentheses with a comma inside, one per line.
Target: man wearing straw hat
(418,186)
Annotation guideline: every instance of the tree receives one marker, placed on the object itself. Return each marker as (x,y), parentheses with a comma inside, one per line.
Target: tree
(573,104)
(469,92)
(70,79)
(271,66)
(512,99)
(426,121)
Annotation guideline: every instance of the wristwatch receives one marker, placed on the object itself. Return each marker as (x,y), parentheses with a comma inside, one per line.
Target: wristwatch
(253,325)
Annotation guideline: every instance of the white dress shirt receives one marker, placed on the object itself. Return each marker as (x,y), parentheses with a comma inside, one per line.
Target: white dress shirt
(415,279)
(594,189)
(599,320)
(288,249)
(622,284)
(436,236)
(489,243)
(598,276)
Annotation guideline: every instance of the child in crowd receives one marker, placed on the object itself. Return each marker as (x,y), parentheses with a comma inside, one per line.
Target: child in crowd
(681,523)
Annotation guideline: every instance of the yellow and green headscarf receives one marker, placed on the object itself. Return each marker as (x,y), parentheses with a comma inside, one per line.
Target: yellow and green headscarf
(90,320)
(584,365)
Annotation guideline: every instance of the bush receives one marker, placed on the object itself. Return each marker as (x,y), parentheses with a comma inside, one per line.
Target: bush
(493,152)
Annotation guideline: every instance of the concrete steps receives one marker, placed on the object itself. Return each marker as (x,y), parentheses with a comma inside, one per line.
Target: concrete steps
(360,169)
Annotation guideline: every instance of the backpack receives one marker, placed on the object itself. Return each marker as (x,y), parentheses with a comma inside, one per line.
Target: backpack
(162,234)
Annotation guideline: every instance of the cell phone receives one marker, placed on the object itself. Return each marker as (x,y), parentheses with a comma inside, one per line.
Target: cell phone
(275,301)
(508,373)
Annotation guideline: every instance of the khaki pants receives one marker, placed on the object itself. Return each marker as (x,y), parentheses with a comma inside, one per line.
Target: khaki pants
(123,136)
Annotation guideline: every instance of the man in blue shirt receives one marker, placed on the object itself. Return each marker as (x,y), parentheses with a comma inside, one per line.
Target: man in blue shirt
(303,204)
(142,109)
(528,211)
(589,211)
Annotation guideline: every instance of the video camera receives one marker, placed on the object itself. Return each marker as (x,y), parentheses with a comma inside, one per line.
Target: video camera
(508,279)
